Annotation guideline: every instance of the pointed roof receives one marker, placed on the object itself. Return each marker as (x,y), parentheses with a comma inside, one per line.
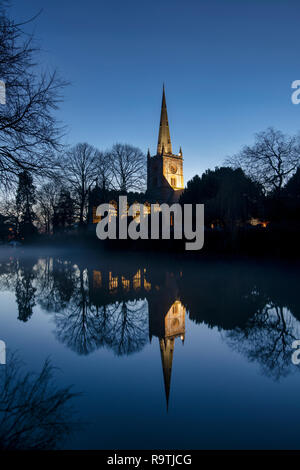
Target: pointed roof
(164,139)
(166,351)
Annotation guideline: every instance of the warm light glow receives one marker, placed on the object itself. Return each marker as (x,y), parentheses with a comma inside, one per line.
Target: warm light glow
(96,218)
(255,222)
(97,279)
(125,283)
(137,280)
(113,282)
(175,320)
(147,285)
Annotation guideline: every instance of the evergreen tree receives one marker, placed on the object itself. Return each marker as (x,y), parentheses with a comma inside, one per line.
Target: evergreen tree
(291,202)
(63,217)
(25,201)
(229,195)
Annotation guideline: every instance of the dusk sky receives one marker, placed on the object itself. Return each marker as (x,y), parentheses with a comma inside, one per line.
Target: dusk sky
(227,67)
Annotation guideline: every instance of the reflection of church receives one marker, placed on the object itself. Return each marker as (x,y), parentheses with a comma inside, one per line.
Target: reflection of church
(167,322)
(173,327)
(165,310)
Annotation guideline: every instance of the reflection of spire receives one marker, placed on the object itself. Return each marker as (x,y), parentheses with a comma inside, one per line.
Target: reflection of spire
(174,326)
(166,351)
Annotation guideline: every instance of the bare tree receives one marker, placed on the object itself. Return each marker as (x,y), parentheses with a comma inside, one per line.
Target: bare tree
(128,165)
(8,209)
(29,134)
(104,170)
(47,198)
(267,339)
(270,161)
(80,173)
(34,413)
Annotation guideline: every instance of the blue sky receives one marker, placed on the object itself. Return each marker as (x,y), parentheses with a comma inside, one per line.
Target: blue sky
(227,67)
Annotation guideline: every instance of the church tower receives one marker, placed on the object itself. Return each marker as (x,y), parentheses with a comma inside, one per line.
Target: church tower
(165,169)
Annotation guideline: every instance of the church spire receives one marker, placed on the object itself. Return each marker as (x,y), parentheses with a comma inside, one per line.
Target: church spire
(164,139)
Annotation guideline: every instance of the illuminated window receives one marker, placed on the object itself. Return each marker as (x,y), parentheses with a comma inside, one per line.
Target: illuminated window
(137,280)
(173,181)
(113,282)
(125,283)
(96,218)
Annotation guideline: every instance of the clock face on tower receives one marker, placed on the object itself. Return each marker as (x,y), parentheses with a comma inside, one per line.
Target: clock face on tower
(173,168)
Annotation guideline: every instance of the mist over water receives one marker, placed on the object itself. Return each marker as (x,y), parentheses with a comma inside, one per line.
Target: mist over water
(165,353)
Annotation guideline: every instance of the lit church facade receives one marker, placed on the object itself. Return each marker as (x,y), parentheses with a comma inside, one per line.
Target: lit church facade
(164,175)
(165,169)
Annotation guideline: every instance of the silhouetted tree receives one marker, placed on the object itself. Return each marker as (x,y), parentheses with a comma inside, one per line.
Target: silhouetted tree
(80,171)
(4,231)
(292,188)
(128,166)
(47,199)
(229,196)
(29,135)
(104,170)
(9,211)
(272,159)
(34,413)
(63,217)
(25,200)
(291,193)
(200,189)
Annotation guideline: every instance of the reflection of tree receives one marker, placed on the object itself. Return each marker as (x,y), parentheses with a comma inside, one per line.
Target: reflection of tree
(25,291)
(225,296)
(121,326)
(77,324)
(84,327)
(267,338)
(19,275)
(8,274)
(56,283)
(256,305)
(128,327)
(33,413)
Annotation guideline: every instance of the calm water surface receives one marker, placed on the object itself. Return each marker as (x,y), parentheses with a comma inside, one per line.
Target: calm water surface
(162,353)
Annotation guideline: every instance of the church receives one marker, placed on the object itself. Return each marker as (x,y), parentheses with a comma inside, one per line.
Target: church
(164,176)
(165,169)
